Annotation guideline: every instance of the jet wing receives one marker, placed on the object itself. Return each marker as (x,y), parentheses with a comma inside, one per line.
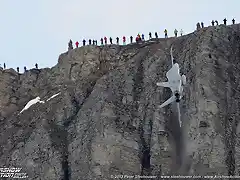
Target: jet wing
(170,100)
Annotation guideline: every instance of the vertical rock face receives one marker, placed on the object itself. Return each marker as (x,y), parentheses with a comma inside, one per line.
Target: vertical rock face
(105,122)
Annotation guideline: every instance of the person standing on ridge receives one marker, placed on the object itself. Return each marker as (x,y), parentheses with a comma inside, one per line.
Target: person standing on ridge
(131,39)
(124,40)
(110,39)
(25,69)
(165,32)
(4,66)
(175,32)
(225,21)
(181,32)
(117,40)
(143,37)
(36,66)
(216,22)
(202,24)
(101,41)
(18,69)
(96,42)
(156,35)
(212,22)
(233,21)
(84,42)
(77,43)
(93,42)
(105,40)
(90,42)
(137,39)
(70,46)
(198,26)
(150,35)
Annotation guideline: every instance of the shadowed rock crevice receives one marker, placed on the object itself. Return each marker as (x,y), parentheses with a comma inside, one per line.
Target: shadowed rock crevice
(77,107)
(144,144)
(59,141)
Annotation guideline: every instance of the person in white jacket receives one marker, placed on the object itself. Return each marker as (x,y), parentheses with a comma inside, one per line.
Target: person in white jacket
(181,32)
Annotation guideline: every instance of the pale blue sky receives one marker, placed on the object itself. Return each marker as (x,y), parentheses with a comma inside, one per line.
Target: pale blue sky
(38,30)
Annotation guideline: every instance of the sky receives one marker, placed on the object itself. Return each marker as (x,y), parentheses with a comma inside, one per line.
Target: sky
(38,31)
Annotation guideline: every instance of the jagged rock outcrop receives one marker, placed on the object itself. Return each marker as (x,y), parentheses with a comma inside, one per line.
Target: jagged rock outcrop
(106,120)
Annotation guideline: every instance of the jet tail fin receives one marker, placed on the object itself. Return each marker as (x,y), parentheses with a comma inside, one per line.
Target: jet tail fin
(163,84)
(170,100)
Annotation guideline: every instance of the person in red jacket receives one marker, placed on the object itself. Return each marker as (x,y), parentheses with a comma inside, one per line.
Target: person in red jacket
(124,40)
(105,40)
(137,39)
(77,43)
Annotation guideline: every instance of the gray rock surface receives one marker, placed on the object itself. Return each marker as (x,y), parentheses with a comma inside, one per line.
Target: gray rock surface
(106,120)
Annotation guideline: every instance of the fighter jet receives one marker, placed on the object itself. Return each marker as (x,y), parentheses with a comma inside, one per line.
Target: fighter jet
(175,83)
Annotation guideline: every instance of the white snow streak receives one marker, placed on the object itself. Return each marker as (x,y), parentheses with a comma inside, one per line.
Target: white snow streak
(36,100)
(32,102)
(53,96)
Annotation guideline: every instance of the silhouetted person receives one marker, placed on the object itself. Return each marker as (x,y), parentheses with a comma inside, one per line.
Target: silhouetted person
(18,69)
(131,39)
(90,42)
(216,22)
(96,42)
(225,21)
(202,24)
(101,41)
(105,40)
(198,26)
(84,42)
(150,35)
(233,21)
(143,37)
(156,35)
(70,46)
(4,66)
(175,32)
(77,43)
(165,33)
(93,42)
(212,22)
(36,65)
(110,39)
(25,69)
(124,40)
(117,40)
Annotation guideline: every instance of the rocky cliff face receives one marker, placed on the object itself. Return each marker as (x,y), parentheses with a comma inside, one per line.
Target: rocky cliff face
(106,122)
